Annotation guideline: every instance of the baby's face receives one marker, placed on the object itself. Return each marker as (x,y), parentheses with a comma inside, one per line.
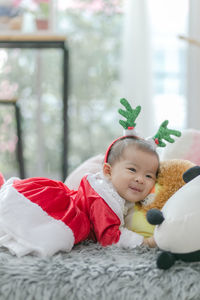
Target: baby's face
(135,174)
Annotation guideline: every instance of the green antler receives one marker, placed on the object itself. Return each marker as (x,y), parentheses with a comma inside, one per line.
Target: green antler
(164,133)
(130,114)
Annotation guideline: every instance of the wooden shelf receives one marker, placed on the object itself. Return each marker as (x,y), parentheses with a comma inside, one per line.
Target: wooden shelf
(8,101)
(22,37)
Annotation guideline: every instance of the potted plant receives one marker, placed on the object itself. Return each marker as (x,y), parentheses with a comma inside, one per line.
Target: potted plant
(39,9)
(42,14)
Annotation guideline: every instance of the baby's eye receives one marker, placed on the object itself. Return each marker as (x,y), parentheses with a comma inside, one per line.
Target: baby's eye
(132,169)
(149,176)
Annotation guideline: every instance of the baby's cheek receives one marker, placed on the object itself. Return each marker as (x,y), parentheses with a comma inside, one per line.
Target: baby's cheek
(150,188)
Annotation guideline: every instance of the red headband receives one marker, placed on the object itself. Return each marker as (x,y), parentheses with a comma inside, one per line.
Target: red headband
(120,138)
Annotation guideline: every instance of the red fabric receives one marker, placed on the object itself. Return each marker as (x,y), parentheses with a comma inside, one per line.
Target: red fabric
(84,211)
(105,223)
(1,180)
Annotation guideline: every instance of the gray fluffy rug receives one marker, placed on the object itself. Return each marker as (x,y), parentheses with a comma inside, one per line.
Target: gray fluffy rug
(93,272)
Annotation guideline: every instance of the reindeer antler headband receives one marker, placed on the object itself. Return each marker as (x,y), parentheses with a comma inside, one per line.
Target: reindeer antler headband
(129,128)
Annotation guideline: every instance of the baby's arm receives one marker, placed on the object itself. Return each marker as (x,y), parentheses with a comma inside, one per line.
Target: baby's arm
(108,229)
(150,242)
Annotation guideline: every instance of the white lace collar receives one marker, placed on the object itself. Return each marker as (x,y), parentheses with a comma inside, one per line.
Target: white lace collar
(106,191)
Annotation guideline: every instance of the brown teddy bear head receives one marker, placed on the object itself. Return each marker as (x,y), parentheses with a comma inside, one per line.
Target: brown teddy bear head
(169,180)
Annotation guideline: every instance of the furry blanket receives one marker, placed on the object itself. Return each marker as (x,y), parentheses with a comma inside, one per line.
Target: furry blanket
(92,272)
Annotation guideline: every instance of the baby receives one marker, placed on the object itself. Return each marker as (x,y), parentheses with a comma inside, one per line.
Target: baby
(44,216)
(131,164)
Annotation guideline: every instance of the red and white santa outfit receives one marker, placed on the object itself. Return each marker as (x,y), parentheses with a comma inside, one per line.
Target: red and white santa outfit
(43,216)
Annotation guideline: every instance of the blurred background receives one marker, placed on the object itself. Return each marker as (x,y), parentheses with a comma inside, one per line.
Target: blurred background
(138,49)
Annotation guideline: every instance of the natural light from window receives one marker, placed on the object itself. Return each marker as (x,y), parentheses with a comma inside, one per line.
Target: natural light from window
(168,21)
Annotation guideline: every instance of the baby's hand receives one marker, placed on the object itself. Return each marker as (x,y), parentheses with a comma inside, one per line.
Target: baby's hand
(150,242)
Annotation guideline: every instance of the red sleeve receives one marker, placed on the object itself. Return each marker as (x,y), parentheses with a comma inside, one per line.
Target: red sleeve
(105,223)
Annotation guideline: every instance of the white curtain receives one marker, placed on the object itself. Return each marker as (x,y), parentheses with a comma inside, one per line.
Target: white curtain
(136,75)
(193,78)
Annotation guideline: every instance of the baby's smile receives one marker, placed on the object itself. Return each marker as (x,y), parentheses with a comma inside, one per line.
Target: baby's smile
(135,189)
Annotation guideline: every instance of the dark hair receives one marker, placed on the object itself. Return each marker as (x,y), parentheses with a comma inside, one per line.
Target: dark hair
(117,149)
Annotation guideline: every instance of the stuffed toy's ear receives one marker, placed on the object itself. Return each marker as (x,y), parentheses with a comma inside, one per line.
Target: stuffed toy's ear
(154,216)
(191,173)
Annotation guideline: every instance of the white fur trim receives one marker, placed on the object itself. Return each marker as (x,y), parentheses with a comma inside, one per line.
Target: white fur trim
(129,239)
(133,132)
(26,228)
(105,189)
(149,199)
(151,141)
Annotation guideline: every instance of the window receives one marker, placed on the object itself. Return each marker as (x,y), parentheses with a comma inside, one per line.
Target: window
(168,21)
(93,29)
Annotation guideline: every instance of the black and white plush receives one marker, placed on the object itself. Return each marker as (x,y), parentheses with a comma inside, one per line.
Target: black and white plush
(177,232)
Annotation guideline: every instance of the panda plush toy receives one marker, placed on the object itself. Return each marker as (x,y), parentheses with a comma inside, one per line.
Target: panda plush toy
(177,231)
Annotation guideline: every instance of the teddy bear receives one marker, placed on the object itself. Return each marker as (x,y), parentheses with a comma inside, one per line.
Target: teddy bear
(177,223)
(169,181)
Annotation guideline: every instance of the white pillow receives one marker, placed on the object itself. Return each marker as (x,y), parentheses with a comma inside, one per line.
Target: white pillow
(185,147)
(92,165)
